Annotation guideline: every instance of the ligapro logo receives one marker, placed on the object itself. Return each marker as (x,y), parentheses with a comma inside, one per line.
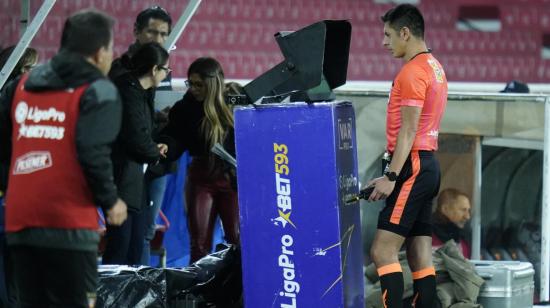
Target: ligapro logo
(32,162)
(21,112)
(31,118)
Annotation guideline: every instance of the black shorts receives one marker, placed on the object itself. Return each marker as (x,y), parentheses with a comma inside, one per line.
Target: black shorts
(408,209)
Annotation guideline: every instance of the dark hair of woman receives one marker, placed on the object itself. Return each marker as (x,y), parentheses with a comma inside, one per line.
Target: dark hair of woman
(146,57)
(233,88)
(25,63)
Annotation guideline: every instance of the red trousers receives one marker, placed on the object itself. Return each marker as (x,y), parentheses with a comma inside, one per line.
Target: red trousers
(206,197)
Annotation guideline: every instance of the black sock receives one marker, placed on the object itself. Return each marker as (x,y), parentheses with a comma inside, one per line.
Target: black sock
(391,283)
(424,288)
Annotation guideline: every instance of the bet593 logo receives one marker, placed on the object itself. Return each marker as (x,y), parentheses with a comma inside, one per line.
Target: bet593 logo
(282,184)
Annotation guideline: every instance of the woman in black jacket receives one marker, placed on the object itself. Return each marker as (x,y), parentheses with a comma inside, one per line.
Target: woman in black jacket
(197,122)
(134,149)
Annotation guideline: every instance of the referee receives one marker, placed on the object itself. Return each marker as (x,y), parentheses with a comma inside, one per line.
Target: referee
(411,174)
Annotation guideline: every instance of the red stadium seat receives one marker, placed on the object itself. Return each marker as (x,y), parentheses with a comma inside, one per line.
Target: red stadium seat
(241,33)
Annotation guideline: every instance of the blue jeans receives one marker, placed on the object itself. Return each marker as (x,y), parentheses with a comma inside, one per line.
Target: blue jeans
(155,195)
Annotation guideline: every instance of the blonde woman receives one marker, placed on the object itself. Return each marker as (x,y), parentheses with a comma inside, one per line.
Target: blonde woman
(197,122)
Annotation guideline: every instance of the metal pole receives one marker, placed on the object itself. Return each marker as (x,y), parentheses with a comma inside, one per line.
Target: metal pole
(545,223)
(25,16)
(25,40)
(181,24)
(476,217)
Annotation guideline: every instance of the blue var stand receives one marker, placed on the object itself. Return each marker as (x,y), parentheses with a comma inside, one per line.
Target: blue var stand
(301,244)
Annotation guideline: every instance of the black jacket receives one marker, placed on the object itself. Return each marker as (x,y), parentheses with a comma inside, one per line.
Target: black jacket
(122,65)
(445,230)
(97,127)
(183,130)
(134,146)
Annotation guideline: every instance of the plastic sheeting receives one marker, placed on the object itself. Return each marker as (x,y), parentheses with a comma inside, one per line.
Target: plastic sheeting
(123,286)
(214,279)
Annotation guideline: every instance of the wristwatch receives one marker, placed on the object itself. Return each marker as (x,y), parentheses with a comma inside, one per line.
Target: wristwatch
(392,176)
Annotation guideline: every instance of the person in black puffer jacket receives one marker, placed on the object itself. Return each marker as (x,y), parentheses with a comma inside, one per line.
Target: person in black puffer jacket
(134,148)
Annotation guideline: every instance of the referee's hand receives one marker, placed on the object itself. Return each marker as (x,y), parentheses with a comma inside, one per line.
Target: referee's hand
(383,187)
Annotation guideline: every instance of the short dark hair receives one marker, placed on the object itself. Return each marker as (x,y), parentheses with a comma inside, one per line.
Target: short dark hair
(86,31)
(205,67)
(146,57)
(154,12)
(405,15)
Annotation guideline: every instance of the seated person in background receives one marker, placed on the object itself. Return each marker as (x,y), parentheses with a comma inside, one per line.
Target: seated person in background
(450,217)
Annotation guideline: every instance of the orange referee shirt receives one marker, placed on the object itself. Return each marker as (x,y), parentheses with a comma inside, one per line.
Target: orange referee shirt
(420,83)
